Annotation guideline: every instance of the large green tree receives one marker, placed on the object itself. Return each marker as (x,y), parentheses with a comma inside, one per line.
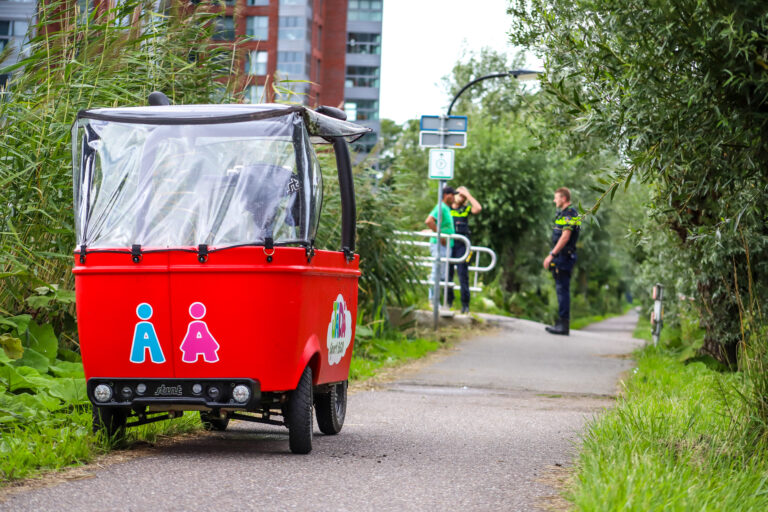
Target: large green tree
(679,88)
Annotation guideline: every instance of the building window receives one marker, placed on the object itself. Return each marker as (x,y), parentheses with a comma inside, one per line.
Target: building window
(6,31)
(295,27)
(225,29)
(257,27)
(364,10)
(362,110)
(364,43)
(254,94)
(257,2)
(12,29)
(362,76)
(307,3)
(256,64)
(293,63)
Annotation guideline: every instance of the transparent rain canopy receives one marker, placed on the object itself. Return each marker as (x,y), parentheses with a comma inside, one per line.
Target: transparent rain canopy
(180,184)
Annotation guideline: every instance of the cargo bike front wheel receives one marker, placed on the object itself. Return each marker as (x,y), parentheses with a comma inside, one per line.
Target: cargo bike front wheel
(298,414)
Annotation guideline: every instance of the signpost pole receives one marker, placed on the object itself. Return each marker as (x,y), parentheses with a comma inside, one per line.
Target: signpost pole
(436,285)
(436,289)
(443,145)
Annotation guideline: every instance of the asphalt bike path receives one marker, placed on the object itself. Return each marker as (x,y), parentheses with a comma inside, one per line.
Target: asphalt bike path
(482,426)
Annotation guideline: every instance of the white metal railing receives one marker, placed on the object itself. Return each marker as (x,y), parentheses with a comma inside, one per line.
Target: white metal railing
(427,261)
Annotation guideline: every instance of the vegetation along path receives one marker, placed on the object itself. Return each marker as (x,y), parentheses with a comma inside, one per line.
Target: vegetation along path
(479,428)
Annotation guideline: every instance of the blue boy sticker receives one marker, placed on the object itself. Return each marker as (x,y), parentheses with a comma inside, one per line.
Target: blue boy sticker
(145,338)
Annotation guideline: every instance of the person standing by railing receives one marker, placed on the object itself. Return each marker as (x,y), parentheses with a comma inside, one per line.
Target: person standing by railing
(446,227)
(463,206)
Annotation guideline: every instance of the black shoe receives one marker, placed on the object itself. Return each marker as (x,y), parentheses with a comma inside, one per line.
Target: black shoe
(464,310)
(560,327)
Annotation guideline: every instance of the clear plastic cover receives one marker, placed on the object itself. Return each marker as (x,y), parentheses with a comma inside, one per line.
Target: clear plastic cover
(181,185)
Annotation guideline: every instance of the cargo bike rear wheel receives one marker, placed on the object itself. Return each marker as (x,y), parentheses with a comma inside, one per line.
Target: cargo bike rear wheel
(331,407)
(298,415)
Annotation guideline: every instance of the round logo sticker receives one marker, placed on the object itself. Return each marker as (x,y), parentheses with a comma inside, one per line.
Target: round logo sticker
(339,331)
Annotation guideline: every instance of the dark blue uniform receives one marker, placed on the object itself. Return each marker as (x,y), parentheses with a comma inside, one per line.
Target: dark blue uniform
(562,264)
(460,218)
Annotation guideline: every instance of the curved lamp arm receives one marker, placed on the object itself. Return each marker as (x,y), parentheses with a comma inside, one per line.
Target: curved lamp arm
(519,74)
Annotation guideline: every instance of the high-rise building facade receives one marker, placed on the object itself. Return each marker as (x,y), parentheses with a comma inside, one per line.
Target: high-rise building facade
(327,51)
(294,44)
(363,67)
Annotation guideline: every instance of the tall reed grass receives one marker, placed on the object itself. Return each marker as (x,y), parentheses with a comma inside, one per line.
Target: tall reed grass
(75,61)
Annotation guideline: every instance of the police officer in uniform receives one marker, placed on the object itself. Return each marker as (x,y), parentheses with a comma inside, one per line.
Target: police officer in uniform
(562,257)
(464,205)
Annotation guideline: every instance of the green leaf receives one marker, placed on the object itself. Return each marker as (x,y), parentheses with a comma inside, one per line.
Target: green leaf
(39,301)
(68,355)
(11,379)
(71,391)
(33,359)
(43,340)
(18,322)
(67,369)
(11,346)
(65,296)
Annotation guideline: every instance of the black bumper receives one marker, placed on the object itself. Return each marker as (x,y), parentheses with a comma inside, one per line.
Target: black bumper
(174,392)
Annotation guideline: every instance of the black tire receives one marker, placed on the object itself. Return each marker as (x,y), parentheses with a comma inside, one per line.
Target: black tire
(110,420)
(299,417)
(330,408)
(213,422)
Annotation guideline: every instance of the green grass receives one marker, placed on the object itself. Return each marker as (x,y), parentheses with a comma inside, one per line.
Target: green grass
(675,441)
(669,335)
(375,354)
(67,439)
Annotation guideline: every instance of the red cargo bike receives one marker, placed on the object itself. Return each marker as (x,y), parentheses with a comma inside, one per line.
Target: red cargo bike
(198,284)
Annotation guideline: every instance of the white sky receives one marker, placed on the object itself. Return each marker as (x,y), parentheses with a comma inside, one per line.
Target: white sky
(422,40)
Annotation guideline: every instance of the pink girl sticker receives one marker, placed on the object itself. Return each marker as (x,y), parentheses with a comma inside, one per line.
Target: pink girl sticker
(198,340)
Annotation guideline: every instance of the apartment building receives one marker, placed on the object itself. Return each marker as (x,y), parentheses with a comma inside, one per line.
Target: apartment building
(326,51)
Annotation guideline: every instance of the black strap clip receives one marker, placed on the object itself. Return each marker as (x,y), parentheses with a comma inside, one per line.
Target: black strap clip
(349,254)
(136,253)
(310,251)
(202,253)
(82,254)
(269,248)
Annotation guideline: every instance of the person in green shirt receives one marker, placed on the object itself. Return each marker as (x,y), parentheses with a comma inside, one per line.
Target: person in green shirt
(446,226)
